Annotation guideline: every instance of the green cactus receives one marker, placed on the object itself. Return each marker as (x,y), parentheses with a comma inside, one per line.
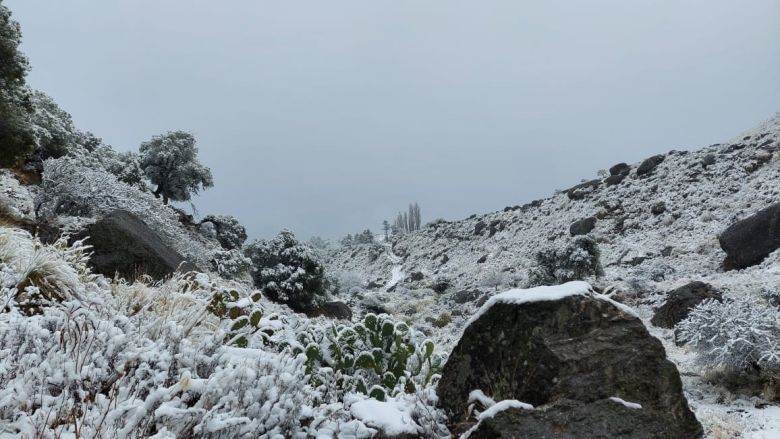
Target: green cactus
(377,350)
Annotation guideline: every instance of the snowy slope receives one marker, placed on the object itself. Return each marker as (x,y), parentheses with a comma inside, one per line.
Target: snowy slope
(644,254)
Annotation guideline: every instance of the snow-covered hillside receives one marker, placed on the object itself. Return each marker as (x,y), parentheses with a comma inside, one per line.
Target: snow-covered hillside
(655,232)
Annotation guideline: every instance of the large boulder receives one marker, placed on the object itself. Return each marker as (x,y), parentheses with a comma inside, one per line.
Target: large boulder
(583,226)
(749,241)
(545,345)
(647,166)
(123,244)
(680,301)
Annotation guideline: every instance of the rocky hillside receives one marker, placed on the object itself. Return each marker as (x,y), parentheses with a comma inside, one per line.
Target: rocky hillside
(656,224)
(656,227)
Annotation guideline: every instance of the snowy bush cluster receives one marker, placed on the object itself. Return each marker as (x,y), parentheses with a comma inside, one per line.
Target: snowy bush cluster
(188,357)
(576,260)
(230,264)
(229,232)
(739,333)
(288,271)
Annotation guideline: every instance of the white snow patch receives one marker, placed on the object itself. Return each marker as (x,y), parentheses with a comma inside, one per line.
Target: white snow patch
(503,405)
(631,405)
(770,427)
(480,397)
(519,296)
(392,417)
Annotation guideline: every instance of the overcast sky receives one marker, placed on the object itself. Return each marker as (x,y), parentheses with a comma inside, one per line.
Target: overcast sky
(327,117)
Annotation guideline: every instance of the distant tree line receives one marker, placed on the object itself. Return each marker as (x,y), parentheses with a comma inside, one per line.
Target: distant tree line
(408,221)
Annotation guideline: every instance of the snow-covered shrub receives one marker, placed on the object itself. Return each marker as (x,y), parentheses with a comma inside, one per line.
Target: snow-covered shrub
(287,271)
(347,282)
(230,233)
(53,127)
(230,264)
(576,260)
(92,153)
(378,357)
(736,334)
(42,274)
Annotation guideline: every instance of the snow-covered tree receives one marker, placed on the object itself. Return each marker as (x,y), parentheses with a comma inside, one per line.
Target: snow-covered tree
(16,135)
(230,233)
(55,133)
(171,163)
(287,271)
(410,220)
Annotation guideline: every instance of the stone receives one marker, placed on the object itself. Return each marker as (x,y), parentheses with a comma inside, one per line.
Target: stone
(749,241)
(333,310)
(580,348)
(482,259)
(464,296)
(479,227)
(615,179)
(583,226)
(123,244)
(568,419)
(581,190)
(620,169)
(680,301)
(647,166)
(658,208)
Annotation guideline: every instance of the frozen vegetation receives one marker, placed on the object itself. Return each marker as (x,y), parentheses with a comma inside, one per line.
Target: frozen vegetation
(283,339)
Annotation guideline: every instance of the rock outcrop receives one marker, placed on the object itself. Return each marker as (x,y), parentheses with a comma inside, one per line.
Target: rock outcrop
(749,241)
(680,301)
(123,244)
(566,349)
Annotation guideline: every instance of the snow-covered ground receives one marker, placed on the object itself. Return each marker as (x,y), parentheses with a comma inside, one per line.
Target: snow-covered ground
(645,253)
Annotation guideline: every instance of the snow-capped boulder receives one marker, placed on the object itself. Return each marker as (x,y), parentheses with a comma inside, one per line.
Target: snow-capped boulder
(749,241)
(122,243)
(547,344)
(680,301)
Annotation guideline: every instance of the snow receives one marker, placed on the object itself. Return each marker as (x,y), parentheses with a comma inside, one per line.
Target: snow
(391,416)
(480,397)
(769,427)
(519,296)
(631,405)
(503,405)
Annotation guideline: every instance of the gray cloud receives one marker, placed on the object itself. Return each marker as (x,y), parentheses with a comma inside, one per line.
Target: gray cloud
(328,117)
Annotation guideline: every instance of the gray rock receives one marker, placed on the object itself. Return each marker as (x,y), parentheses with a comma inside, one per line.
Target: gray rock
(578,348)
(680,301)
(583,226)
(749,241)
(615,179)
(568,419)
(417,276)
(479,227)
(123,244)
(620,169)
(334,310)
(649,164)
(658,208)
(464,296)
(581,190)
